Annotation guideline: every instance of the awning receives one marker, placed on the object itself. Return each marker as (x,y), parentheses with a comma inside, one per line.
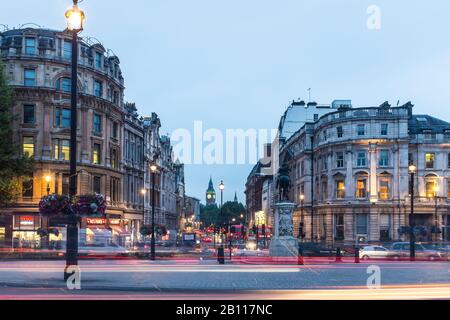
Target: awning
(120,231)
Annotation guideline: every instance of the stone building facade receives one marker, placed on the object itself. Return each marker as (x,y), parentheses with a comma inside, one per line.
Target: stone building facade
(351,166)
(115,145)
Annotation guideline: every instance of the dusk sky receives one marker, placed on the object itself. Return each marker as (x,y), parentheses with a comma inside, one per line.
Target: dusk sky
(237,64)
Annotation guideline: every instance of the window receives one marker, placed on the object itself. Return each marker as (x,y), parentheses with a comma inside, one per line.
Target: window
(361,129)
(384,188)
(429,160)
(384,129)
(361,188)
(62,117)
(430,189)
(339,227)
(361,160)
(30,46)
(97,122)
(65,150)
(385,227)
(316,117)
(115,130)
(114,160)
(64,84)
(340,189)
(27,187)
(67,50)
(98,88)
(324,163)
(97,184)
(30,77)
(28,114)
(324,190)
(56,149)
(28,146)
(410,159)
(448,160)
(448,189)
(65,183)
(384,158)
(339,159)
(98,60)
(115,97)
(361,224)
(114,189)
(96,154)
(340,132)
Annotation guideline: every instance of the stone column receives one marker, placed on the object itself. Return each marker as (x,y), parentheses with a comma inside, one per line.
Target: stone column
(283,245)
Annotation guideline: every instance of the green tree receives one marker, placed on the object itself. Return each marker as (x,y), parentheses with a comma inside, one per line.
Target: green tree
(209,214)
(13,167)
(230,210)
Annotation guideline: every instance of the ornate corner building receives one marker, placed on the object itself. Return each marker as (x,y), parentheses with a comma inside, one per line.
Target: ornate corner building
(115,144)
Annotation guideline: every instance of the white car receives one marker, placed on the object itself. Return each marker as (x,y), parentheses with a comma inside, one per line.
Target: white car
(373,252)
(111,250)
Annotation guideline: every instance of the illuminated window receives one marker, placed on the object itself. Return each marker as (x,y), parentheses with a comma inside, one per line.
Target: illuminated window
(96,154)
(384,188)
(430,189)
(28,146)
(429,160)
(65,150)
(340,189)
(448,189)
(56,149)
(361,188)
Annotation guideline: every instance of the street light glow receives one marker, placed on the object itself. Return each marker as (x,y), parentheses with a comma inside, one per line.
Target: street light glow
(153,167)
(48,179)
(143,191)
(75,19)
(412,168)
(221,185)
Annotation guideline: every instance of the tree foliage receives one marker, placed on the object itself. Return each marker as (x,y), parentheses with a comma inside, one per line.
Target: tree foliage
(13,167)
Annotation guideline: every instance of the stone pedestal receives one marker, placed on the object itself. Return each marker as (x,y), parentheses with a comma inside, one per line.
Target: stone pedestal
(283,246)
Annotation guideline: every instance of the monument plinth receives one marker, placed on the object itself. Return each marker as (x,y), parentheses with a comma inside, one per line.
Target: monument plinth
(284,246)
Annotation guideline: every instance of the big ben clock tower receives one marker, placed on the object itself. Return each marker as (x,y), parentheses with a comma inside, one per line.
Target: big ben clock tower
(210,194)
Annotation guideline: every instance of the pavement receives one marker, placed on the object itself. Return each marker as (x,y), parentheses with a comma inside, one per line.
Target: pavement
(200,279)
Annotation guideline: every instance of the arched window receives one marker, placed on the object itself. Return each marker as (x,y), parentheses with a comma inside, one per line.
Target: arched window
(64,84)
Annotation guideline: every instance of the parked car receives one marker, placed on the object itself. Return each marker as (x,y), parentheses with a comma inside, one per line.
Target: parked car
(444,248)
(373,252)
(103,250)
(313,249)
(401,250)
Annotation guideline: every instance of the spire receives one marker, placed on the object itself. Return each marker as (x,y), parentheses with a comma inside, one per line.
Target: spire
(235,197)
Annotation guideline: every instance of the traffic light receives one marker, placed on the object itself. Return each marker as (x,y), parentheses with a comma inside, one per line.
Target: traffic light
(254,229)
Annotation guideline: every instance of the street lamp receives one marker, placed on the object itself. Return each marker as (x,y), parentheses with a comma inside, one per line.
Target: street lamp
(302,216)
(75,19)
(436,220)
(153,169)
(221,187)
(412,241)
(48,179)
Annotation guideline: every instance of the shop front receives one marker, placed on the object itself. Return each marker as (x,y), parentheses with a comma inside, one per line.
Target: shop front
(95,232)
(121,233)
(24,231)
(5,231)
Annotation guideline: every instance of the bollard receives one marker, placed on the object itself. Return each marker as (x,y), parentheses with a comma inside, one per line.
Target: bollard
(300,256)
(338,255)
(357,255)
(221,255)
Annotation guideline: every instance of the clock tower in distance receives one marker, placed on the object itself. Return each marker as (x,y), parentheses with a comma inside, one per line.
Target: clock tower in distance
(210,194)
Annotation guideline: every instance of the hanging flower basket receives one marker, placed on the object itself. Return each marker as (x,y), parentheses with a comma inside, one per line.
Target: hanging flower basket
(89,205)
(54,205)
(145,231)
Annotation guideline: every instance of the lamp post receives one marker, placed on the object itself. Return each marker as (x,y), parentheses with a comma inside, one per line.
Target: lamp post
(48,179)
(75,19)
(143,192)
(221,187)
(302,216)
(153,169)
(436,222)
(412,240)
